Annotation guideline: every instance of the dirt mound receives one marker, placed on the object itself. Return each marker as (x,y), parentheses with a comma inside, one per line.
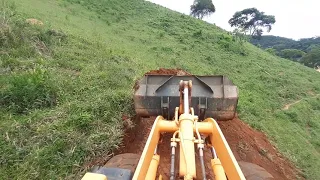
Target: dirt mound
(163,71)
(246,144)
(33,21)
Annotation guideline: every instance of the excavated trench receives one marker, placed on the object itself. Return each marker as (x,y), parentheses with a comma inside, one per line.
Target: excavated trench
(246,144)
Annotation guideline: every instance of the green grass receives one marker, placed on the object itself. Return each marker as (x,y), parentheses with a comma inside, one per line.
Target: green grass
(106,46)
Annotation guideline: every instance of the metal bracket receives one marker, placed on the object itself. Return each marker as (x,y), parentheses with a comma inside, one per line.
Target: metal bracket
(165,107)
(164,83)
(203,105)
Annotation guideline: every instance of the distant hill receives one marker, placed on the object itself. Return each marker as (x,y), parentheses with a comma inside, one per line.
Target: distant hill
(305,51)
(281,43)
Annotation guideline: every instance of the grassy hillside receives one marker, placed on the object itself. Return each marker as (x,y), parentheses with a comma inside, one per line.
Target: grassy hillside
(65,85)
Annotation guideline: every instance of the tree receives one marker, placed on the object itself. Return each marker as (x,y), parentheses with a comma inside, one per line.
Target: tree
(201,8)
(271,51)
(252,21)
(312,58)
(293,54)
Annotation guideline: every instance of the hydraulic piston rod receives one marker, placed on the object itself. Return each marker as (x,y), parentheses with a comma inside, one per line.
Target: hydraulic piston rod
(186,99)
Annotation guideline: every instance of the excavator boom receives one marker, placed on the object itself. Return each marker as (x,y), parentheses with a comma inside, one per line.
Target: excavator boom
(184,105)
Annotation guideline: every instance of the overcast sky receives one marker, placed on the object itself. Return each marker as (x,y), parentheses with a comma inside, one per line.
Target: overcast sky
(294,18)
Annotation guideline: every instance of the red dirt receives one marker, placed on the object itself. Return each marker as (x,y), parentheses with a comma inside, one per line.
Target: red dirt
(253,146)
(246,144)
(163,71)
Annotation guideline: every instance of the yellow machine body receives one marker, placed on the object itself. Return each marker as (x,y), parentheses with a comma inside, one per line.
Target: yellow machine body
(186,130)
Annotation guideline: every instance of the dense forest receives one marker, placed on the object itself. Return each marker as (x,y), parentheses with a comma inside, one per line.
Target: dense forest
(305,51)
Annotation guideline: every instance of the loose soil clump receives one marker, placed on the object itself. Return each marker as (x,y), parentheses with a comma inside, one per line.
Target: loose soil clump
(163,71)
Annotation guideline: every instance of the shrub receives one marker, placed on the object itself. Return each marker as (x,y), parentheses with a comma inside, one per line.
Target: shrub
(30,90)
(230,44)
(271,51)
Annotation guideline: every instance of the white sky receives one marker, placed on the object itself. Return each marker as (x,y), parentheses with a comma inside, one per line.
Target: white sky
(294,18)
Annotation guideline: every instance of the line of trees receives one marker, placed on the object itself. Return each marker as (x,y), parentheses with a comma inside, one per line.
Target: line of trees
(305,51)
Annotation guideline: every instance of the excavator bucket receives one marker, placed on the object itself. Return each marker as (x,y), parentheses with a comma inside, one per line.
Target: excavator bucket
(211,96)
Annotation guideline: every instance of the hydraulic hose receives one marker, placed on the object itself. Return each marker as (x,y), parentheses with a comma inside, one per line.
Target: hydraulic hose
(214,154)
(203,169)
(173,154)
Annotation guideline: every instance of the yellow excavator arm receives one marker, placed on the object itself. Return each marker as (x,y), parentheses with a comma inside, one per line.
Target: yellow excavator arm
(187,131)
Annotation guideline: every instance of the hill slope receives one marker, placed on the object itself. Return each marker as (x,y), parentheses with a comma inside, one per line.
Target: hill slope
(107,45)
